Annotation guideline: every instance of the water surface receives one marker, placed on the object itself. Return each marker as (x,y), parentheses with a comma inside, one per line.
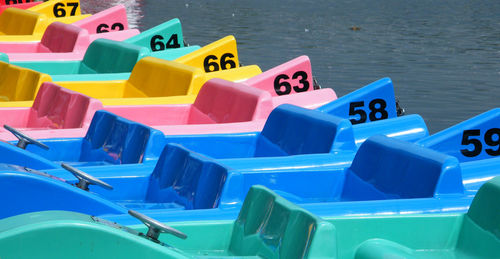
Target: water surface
(443,56)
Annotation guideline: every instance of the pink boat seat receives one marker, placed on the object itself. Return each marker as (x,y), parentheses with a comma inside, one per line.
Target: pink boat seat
(221,101)
(57,107)
(60,37)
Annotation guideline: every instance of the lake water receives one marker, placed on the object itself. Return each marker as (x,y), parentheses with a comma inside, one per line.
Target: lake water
(443,56)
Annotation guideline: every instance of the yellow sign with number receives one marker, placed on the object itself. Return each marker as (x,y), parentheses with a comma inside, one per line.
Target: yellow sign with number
(58,8)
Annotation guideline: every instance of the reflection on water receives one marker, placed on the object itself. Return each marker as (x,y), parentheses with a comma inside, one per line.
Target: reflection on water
(443,56)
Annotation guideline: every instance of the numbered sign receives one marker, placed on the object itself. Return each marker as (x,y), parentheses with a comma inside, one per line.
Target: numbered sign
(216,56)
(283,83)
(476,141)
(101,28)
(157,42)
(11,2)
(65,9)
(376,111)
(294,76)
(212,63)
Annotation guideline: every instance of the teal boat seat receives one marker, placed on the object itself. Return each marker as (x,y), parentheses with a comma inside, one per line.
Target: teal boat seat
(271,227)
(108,56)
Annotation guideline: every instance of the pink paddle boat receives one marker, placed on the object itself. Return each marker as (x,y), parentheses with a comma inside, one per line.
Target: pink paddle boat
(220,107)
(70,41)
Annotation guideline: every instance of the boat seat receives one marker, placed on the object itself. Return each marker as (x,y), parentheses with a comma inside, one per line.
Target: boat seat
(272,227)
(19,84)
(221,101)
(115,140)
(186,178)
(14,21)
(386,168)
(109,56)
(292,130)
(171,78)
(60,108)
(61,37)
(480,232)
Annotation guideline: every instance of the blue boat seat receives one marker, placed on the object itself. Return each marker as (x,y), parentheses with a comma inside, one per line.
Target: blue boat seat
(386,168)
(291,130)
(186,178)
(114,140)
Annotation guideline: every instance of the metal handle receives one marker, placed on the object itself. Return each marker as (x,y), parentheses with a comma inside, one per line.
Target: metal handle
(85,179)
(155,227)
(24,140)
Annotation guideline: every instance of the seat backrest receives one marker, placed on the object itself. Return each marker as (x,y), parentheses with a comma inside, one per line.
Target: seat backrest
(14,21)
(61,37)
(58,107)
(480,232)
(19,84)
(292,130)
(387,168)
(272,227)
(221,101)
(116,140)
(157,78)
(186,178)
(109,56)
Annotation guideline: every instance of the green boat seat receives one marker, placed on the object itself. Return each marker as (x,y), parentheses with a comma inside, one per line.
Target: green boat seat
(108,56)
(271,227)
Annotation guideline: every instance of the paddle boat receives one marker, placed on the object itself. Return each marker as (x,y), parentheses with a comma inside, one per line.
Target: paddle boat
(267,226)
(300,233)
(66,41)
(152,81)
(107,60)
(220,107)
(50,8)
(25,25)
(293,128)
(52,54)
(334,185)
